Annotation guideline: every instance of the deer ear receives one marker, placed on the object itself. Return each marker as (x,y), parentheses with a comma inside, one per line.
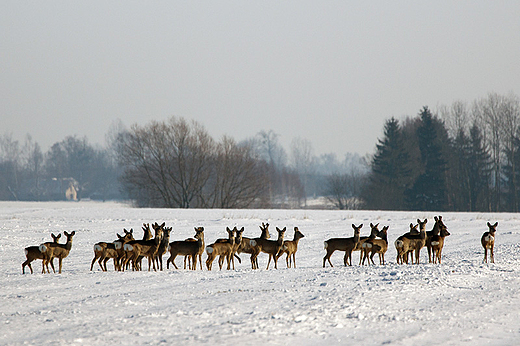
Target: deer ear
(496,224)
(489,225)
(371,225)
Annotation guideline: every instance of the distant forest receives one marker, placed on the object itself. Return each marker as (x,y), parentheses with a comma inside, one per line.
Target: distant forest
(463,157)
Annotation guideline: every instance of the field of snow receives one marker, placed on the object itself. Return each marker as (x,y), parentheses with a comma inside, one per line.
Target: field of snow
(461,301)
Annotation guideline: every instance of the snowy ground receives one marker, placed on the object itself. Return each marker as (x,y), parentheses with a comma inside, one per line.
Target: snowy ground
(462,301)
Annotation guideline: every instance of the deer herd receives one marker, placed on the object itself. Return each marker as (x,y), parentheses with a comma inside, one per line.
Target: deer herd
(127,252)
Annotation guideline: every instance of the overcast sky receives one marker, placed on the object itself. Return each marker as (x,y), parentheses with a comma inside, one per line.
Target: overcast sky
(331,72)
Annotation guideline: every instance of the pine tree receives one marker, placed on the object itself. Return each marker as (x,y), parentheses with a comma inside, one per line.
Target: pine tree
(391,171)
(429,190)
(479,172)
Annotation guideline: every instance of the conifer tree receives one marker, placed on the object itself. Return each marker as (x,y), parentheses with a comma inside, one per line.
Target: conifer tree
(429,190)
(391,171)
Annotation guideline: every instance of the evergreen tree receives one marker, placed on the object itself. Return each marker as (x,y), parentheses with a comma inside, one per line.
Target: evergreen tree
(429,190)
(391,171)
(512,176)
(479,172)
(458,192)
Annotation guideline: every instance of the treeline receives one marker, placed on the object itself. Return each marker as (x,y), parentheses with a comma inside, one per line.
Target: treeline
(177,164)
(465,158)
(70,169)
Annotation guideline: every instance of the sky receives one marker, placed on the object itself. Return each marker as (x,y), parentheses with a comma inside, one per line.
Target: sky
(330,72)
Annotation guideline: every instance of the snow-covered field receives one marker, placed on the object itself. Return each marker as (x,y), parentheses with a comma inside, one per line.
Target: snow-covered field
(462,301)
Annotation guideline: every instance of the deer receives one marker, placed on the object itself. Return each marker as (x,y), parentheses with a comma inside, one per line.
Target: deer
(60,251)
(270,247)
(104,251)
(245,245)
(187,248)
(290,247)
(33,253)
(147,235)
(399,244)
(342,244)
(488,242)
(137,249)
(163,247)
(434,232)
(225,250)
(410,242)
(378,246)
(437,243)
(373,233)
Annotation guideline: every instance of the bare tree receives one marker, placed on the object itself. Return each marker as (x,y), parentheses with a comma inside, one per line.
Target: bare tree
(343,190)
(456,118)
(302,161)
(240,179)
(166,164)
(9,166)
(510,116)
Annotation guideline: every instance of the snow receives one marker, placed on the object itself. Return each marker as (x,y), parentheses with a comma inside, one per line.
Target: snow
(461,301)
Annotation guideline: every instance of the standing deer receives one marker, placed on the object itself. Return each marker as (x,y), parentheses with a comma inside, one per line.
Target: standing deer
(290,247)
(104,251)
(60,251)
(163,247)
(33,253)
(135,250)
(362,240)
(378,246)
(245,245)
(488,242)
(223,249)
(410,242)
(433,233)
(437,243)
(187,248)
(399,244)
(342,244)
(270,247)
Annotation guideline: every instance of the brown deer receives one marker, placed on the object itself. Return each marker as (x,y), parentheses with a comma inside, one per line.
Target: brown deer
(245,245)
(135,250)
(359,246)
(60,251)
(378,246)
(488,242)
(147,235)
(33,253)
(187,248)
(163,247)
(342,244)
(411,242)
(290,247)
(104,251)
(225,250)
(433,233)
(437,243)
(270,247)
(399,244)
